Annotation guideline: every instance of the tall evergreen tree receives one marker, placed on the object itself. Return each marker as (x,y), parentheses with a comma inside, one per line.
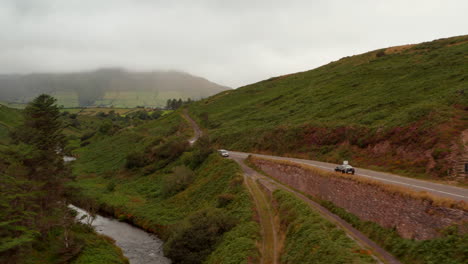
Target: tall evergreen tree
(42,130)
(31,175)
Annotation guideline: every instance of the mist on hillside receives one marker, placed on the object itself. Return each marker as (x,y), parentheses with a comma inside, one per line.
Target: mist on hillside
(107,87)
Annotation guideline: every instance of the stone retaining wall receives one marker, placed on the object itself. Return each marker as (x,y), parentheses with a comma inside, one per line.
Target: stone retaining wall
(413,217)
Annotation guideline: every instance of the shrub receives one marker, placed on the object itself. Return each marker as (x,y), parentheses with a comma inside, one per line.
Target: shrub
(136,160)
(225,199)
(237,180)
(170,150)
(87,135)
(440,153)
(202,150)
(380,53)
(194,239)
(106,127)
(110,186)
(178,181)
(156,114)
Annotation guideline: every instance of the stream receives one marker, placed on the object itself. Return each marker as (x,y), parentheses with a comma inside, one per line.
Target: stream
(137,245)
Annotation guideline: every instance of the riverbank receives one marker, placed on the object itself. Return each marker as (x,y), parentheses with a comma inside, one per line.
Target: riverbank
(137,245)
(215,191)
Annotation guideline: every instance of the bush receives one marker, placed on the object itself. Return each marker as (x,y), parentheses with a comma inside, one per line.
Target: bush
(225,199)
(178,181)
(87,135)
(202,150)
(110,186)
(169,151)
(156,114)
(381,53)
(194,239)
(106,127)
(136,160)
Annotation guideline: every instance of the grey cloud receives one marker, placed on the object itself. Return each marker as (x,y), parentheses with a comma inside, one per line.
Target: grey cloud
(230,42)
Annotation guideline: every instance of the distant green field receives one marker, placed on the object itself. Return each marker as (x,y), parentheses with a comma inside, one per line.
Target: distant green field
(122,99)
(110,87)
(13,105)
(133,99)
(69,99)
(95,110)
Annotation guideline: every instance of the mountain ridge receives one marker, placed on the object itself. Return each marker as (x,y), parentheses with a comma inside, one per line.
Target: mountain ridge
(107,87)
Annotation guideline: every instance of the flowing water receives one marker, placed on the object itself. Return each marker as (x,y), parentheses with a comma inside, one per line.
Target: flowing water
(68,158)
(137,245)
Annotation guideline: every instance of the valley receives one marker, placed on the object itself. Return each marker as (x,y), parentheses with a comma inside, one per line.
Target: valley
(398,115)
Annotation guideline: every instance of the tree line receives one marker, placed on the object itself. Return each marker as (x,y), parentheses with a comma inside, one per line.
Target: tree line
(173,104)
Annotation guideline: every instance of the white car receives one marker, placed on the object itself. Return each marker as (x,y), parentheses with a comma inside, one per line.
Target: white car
(223,153)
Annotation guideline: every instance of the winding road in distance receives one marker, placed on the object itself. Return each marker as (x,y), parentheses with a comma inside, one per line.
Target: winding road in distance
(437,189)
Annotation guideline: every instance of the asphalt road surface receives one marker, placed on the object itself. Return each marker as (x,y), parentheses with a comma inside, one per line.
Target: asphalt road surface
(437,189)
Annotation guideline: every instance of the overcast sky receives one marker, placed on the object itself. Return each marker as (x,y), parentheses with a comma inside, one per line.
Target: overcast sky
(229,42)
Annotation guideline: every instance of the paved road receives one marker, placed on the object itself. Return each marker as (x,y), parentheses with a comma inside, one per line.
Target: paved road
(448,191)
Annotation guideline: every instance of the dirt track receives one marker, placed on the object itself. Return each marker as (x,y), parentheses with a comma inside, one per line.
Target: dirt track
(270,247)
(196,129)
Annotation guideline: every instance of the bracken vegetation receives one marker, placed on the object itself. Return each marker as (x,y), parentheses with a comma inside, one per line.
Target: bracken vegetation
(450,248)
(402,112)
(312,239)
(149,176)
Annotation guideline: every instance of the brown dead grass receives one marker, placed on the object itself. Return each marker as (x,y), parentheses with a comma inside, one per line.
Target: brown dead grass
(398,49)
(392,189)
(457,43)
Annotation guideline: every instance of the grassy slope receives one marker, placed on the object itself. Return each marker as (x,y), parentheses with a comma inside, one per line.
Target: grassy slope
(410,97)
(138,199)
(312,239)
(96,249)
(99,249)
(108,153)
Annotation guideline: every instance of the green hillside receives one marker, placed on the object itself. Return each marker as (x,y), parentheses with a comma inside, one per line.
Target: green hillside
(399,109)
(107,87)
